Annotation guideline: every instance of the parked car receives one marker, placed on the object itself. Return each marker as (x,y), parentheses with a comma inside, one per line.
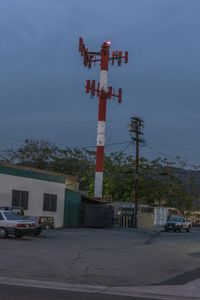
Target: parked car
(42,222)
(11,223)
(177,223)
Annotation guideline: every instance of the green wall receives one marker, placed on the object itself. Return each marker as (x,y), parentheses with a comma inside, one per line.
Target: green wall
(72,209)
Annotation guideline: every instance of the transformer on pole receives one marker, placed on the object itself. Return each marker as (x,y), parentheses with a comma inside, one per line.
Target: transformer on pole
(103,92)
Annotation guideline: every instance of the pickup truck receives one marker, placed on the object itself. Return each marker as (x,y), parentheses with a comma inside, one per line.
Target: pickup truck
(177,223)
(11,223)
(41,222)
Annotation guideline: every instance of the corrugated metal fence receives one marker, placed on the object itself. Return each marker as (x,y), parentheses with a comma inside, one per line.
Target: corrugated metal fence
(96,216)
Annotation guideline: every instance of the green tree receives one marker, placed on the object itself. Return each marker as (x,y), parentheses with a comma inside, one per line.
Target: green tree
(34,153)
(159,182)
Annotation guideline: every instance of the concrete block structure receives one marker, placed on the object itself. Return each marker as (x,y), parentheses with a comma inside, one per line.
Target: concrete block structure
(39,192)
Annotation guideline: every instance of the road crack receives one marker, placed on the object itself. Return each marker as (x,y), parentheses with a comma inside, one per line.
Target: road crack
(77,258)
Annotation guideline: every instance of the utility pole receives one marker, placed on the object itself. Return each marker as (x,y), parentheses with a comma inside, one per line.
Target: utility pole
(103,92)
(135,129)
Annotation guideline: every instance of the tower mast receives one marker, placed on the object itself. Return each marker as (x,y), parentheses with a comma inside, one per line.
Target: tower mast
(103,92)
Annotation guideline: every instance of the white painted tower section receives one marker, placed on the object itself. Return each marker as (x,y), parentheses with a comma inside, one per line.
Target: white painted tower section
(98,184)
(100,143)
(103,80)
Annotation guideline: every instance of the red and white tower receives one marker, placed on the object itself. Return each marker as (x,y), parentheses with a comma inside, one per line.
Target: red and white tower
(104,93)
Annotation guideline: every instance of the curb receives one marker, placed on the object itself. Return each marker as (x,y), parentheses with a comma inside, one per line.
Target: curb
(189,291)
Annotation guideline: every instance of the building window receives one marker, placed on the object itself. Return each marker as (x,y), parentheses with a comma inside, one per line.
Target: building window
(50,202)
(20,198)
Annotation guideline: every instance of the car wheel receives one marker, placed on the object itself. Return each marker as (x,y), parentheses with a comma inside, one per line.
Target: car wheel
(188,229)
(166,230)
(175,229)
(3,233)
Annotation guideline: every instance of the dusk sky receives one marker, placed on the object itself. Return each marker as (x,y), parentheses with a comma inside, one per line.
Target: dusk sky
(42,76)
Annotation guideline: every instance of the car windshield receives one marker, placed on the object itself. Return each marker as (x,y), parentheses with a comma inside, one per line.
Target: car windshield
(11,215)
(175,219)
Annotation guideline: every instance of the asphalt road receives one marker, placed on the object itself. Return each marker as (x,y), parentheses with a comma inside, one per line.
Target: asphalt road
(27,293)
(102,257)
(97,257)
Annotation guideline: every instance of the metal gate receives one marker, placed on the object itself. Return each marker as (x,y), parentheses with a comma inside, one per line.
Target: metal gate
(96,215)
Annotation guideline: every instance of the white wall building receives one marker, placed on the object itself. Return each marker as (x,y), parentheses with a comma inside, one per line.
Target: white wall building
(39,192)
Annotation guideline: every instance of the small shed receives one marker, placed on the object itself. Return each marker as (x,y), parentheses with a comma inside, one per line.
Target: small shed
(95,213)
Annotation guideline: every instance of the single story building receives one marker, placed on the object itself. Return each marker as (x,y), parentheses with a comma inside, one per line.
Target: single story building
(39,192)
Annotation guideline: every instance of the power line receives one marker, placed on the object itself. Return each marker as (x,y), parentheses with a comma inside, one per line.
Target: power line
(107,145)
(90,146)
(110,144)
(163,154)
(63,122)
(173,158)
(169,145)
(120,119)
(11,138)
(123,150)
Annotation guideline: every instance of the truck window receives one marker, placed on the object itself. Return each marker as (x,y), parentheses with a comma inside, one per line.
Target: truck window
(11,215)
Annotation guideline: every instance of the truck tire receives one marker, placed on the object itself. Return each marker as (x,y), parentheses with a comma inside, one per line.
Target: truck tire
(3,233)
(188,229)
(18,235)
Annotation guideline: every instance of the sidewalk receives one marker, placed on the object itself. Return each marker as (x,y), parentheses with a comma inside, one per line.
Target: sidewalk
(189,291)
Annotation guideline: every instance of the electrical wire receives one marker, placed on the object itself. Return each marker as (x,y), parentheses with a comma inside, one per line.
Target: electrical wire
(123,150)
(163,154)
(169,145)
(106,145)
(11,138)
(63,122)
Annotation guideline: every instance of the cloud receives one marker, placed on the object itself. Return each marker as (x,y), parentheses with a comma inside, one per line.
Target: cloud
(42,76)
